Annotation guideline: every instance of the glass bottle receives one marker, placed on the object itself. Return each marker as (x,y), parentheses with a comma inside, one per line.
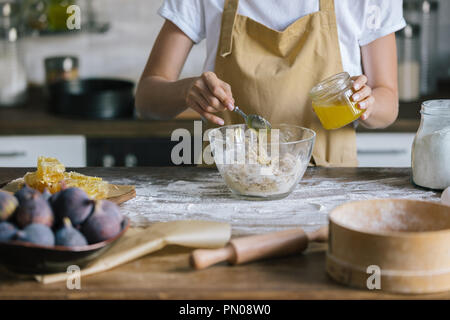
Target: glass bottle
(425,14)
(428,78)
(431,148)
(57,14)
(332,104)
(408,44)
(13,81)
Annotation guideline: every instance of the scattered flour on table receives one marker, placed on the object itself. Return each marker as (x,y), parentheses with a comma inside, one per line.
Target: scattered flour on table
(206,197)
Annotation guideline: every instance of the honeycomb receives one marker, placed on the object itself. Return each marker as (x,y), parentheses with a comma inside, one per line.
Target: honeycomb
(34,182)
(50,170)
(95,187)
(51,174)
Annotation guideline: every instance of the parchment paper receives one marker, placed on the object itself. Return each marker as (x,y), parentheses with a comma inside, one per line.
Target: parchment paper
(138,242)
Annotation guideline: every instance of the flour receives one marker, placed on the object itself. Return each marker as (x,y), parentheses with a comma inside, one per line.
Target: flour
(388,216)
(431,160)
(260,173)
(181,193)
(277,179)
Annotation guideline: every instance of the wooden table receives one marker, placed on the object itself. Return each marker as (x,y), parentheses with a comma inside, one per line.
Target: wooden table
(165,194)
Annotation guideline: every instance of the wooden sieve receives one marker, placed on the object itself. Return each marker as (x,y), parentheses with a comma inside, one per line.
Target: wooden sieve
(408,240)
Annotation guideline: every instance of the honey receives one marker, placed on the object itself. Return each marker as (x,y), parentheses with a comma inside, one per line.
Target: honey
(336,116)
(332,104)
(51,175)
(50,170)
(95,187)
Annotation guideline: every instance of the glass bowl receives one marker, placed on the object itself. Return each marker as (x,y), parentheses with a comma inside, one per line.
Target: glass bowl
(262,165)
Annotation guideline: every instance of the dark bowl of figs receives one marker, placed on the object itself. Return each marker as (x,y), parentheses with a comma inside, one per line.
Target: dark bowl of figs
(42,233)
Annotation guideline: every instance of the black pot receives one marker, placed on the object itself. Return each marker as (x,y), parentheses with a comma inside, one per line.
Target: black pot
(92,98)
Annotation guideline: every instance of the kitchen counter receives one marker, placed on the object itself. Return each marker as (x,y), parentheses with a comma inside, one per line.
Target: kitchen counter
(34,119)
(166,194)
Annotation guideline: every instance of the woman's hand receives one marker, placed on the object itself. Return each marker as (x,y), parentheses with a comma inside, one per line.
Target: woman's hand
(207,95)
(363,96)
(162,95)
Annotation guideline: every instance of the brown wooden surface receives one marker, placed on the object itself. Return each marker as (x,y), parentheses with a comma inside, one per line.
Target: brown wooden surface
(167,275)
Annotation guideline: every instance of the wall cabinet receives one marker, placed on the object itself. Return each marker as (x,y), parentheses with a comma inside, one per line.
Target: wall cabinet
(23,151)
(384,149)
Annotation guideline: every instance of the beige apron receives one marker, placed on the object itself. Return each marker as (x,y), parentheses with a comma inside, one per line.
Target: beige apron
(271,74)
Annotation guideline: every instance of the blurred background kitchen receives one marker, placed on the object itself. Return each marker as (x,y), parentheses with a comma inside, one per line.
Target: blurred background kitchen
(116,36)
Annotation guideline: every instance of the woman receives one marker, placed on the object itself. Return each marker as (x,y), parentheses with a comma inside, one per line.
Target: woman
(265,56)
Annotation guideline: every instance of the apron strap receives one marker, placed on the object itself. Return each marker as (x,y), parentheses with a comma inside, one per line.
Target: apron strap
(327,5)
(228,18)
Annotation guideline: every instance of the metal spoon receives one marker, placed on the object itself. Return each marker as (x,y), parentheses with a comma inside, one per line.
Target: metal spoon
(254,121)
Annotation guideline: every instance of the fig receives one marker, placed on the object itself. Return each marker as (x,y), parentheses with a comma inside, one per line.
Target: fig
(25,193)
(8,204)
(46,195)
(73,203)
(7,231)
(110,208)
(34,210)
(104,223)
(68,236)
(36,233)
(53,197)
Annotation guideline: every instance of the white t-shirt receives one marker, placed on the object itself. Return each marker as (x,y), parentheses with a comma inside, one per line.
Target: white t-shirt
(359,21)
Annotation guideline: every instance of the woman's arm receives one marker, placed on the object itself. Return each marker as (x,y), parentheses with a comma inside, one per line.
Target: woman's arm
(377,91)
(160,95)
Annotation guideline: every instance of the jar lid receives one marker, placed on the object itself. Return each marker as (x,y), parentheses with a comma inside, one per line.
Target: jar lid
(439,107)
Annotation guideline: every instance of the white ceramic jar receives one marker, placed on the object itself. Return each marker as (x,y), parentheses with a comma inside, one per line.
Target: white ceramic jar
(431,148)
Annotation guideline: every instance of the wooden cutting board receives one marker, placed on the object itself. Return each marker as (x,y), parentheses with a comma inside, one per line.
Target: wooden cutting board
(116,193)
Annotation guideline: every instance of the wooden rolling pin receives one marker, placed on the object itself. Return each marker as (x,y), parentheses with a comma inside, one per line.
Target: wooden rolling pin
(242,250)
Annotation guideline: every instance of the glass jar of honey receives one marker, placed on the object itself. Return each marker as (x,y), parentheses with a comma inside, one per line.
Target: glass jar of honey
(332,103)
